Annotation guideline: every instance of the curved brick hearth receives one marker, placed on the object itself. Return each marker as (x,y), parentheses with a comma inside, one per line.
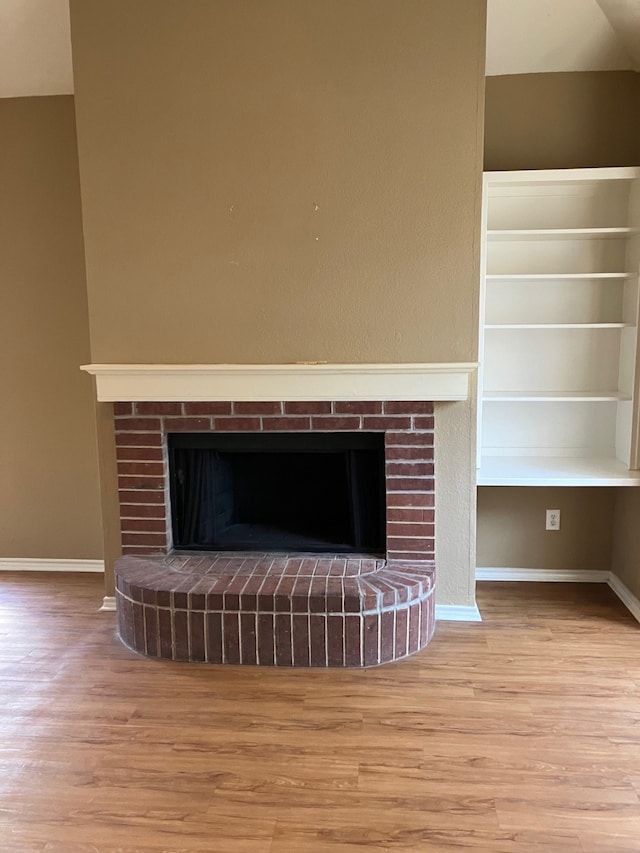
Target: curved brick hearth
(271,610)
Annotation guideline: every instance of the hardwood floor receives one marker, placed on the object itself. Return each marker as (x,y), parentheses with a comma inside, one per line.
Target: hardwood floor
(519,734)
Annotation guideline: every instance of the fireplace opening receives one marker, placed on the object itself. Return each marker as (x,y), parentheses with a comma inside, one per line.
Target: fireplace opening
(294,492)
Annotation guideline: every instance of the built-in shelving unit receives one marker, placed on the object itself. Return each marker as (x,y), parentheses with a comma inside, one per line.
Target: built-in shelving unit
(558,339)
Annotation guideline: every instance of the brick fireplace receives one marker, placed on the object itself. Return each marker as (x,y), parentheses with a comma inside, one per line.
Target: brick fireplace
(141,446)
(284,609)
(287,609)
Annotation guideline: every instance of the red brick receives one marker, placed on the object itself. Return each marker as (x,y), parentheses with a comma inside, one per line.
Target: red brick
(212,408)
(144,539)
(143,525)
(371,635)
(139,439)
(257,408)
(397,528)
(358,408)
(409,484)
(395,543)
(335,424)
(237,424)
(158,408)
(141,511)
(409,468)
(122,409)
(423,454)
(409,439)
(231,637)
(410,555)
(141,469)
(187,424)
(402,624)
(137,424)
(386,423)
(290,424)
(420,500)
(423,423)
(152,454)
(410,514)
(248,634)
(139,496)
(146,483)
(308,408)
(142,550)
(415,407)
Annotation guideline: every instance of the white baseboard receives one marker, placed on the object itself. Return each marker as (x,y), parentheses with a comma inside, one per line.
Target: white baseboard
(9,564)
(625,595)
(549,575)
(108,604)
(630,601)
(457,613)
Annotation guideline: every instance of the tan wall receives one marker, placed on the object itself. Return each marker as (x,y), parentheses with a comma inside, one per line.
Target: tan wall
(561,121)
(511,528)
(280,181)
(545,121)
(49,503)
(626,539)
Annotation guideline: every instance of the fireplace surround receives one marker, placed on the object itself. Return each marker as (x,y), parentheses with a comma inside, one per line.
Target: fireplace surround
(384,603)
(304,611)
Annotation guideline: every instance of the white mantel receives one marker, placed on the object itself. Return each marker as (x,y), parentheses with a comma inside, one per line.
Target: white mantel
(305,381)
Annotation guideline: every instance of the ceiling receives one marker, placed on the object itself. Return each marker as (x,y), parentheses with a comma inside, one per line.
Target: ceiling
(523,37)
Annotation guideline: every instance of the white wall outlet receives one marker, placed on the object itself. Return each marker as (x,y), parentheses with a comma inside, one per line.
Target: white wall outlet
(553,519)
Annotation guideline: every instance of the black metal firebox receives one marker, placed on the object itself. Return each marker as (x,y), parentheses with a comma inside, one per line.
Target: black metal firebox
(293,492)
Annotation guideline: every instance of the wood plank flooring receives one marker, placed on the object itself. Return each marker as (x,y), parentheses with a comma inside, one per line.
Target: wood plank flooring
(518,735)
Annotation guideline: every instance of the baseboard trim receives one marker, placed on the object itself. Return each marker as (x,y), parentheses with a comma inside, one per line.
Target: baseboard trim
(108,604)
(630,601)
(18,564)
(548,575)
(457,613)
(625,595)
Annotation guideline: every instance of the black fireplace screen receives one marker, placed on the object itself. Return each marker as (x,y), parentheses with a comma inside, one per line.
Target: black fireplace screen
(294,492)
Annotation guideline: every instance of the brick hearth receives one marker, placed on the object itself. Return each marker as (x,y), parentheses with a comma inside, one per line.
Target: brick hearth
(162,615)
(282,611)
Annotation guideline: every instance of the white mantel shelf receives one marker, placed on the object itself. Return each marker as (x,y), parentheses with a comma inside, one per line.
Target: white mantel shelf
(306,381)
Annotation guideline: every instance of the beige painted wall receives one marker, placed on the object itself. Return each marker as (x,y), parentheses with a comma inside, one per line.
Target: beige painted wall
(626,539)
(511,528)
(280,181)
(288,181)
(49,503)
(563,120)
(544,121)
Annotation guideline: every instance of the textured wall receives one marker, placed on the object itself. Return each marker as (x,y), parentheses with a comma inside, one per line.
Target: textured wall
(626,539)
(49,505)
(562,121)
(511,528)
(280,181)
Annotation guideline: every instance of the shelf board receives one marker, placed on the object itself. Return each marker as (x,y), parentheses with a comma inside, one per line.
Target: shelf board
(554,396)
(560,233)
(562,276)
(555,471)
(557,325)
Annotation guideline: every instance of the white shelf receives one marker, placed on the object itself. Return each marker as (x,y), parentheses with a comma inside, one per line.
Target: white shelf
(562,276)
(554,396)
(557,325)
(554,471)
(561,233)
(556,353)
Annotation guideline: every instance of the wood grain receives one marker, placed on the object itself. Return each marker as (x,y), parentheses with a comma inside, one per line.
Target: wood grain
(517,735)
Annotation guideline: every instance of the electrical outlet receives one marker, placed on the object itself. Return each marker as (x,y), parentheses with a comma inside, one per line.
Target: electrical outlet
(553,519)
